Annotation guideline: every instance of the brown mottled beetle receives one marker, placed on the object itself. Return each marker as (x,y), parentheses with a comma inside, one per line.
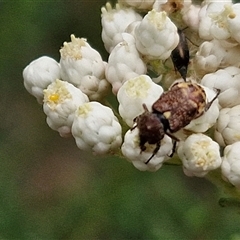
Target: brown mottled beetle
(180,55)
(175,109)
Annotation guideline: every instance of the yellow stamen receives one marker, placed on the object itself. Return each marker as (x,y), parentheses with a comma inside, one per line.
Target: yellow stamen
(54,97)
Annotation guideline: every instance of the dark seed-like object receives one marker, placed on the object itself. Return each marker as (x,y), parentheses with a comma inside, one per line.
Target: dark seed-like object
(180,55)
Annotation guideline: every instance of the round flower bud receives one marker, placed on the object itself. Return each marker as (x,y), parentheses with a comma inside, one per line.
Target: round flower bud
(132,151)
(227,129)
(190,15)
(208,10)
(208,57)
(231,164)
(96,128)
(138,4)
(115,21)
(209,117)
(156,36)
(228,82)
(83,66)
(213,55)
(124,63)
(199,155)
(232,14)
(39,74)
(219,28)
(61,99)
(134,93)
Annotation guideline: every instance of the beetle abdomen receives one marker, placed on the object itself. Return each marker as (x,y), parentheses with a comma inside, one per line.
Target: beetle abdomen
(184,102)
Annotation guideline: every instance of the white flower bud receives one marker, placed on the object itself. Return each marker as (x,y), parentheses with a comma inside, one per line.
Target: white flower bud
(156,35)
(61,99)
(228,43)
(233,22)
(228,81)
(209,117)
(209,9)
(132,151)
(199,155)
(124,63)
(158,4)
(213,55)
(39,74)
(115,21)
(226,23)
(134,93)
(204,23)
(208,57)
(83,66)
(231,164)
(190,15)
(228,126)
(131,28)
(138,4)
(219,28)
(96,128)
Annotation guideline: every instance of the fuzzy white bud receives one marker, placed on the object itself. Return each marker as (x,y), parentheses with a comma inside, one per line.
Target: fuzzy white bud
(227,130)
(124,63)
(205,20)
(219,27)
(115,21)
(227,80)
(190,15)
(83,66)
(233,21)
(132,151)
(213,55)
(134,93)
(138,4)
(231,164)
(199,155)
(39,74)
(156,35)
(96,128)
(61,99)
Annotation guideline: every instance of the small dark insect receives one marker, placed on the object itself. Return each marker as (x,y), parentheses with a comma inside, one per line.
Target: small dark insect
(175,109)
(180,55)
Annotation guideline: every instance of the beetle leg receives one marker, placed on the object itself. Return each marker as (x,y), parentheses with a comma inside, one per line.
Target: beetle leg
(208,105)
(154,152)
(172,136)
(174,148)
(175,140)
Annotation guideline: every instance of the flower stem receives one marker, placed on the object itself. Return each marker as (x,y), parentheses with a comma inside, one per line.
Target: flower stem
(216,178)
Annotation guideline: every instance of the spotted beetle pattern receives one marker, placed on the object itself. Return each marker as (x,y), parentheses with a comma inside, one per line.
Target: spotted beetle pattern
(174,110)
(184,102)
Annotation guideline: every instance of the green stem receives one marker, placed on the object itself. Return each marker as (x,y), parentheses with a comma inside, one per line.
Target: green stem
(216,178)
(125,127)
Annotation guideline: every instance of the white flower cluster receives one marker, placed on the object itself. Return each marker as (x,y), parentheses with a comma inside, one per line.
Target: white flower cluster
(217,63)
(140,36)
(67,90)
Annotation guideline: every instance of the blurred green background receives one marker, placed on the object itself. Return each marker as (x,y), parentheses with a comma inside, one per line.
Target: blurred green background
(49,189)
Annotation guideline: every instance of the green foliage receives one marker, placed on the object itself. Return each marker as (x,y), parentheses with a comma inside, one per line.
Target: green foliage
(51,190)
